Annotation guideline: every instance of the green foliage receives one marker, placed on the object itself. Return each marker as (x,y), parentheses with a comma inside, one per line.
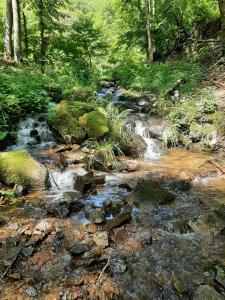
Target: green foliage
(190,119)
(218,119)
(158,78)
(172,136)
(7,193)
(103,154)
(117,139)
(20,94)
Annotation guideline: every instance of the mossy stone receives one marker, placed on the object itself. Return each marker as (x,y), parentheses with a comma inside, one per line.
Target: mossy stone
(95,124)
(20,168)
(65,119)
(75,108)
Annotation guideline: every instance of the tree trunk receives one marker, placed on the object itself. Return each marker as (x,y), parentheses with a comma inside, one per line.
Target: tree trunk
(16,30)
(25,35)
(148,10)
(222,17)
(42,35)
(8,46)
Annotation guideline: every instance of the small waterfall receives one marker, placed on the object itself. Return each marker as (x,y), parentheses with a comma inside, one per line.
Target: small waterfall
(141,128)
(62,181)
(34,133)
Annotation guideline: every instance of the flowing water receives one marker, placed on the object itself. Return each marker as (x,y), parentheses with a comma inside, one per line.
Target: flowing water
(34,133)
(175,241)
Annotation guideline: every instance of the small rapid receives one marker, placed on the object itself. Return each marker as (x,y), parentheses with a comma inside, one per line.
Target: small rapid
(34,133)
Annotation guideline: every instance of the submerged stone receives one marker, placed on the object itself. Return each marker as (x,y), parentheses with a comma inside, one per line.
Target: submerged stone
(79,248)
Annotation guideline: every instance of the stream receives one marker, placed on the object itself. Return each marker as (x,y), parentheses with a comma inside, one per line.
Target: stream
(165,224)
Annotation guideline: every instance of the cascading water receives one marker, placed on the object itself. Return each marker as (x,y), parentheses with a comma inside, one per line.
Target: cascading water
(34,133)
(152,151)
(141,126)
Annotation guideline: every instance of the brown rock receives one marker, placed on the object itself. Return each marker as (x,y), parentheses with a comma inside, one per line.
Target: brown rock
(118,220)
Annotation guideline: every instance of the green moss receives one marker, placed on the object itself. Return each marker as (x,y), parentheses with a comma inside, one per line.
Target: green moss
(67,126)
(95,124)
(65,119)
(20,168)
(75,108)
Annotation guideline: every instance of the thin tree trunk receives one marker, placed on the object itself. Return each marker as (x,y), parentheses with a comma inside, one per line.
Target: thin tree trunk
(222,17)
(148,11)
(8,46)
(26,43)
(16,30)
(42,35)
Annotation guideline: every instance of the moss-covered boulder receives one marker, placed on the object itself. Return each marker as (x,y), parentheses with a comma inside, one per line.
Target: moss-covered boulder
(20,168)
(95,124)
(75,108)
(65,120)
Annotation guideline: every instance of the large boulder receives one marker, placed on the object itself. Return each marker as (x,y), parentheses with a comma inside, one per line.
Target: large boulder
(65,120)
(94,123)
(20,168)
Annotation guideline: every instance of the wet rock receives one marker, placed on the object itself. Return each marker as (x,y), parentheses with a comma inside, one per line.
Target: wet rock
(95,215)
(118,220)
(79,248)
(33,133)
(19,190)
(156,129)
(205,292)
(151,190)
(84,181)
(101,239)
(62,205)
(31,291)
(179,184)
(113,206)
(75,157)
(99,178)
(118,267)
(77,281)
(93,253)
(220,276)
(60,162)
(211,222)
(137,145)
(27,251)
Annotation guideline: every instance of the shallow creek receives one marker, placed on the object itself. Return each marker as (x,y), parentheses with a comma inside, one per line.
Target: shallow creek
(174,242)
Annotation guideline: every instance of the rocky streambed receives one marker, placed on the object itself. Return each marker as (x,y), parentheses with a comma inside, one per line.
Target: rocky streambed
(155,229)
(152,231)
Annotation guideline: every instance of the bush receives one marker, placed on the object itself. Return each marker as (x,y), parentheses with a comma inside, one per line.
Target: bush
(20,94)
(159,77)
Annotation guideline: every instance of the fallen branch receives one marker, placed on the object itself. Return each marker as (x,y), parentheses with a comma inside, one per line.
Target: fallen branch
(105,267)
(204,41)
(171,90)
(215,164)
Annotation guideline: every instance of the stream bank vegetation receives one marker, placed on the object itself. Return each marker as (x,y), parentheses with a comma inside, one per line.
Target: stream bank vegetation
(101,80)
